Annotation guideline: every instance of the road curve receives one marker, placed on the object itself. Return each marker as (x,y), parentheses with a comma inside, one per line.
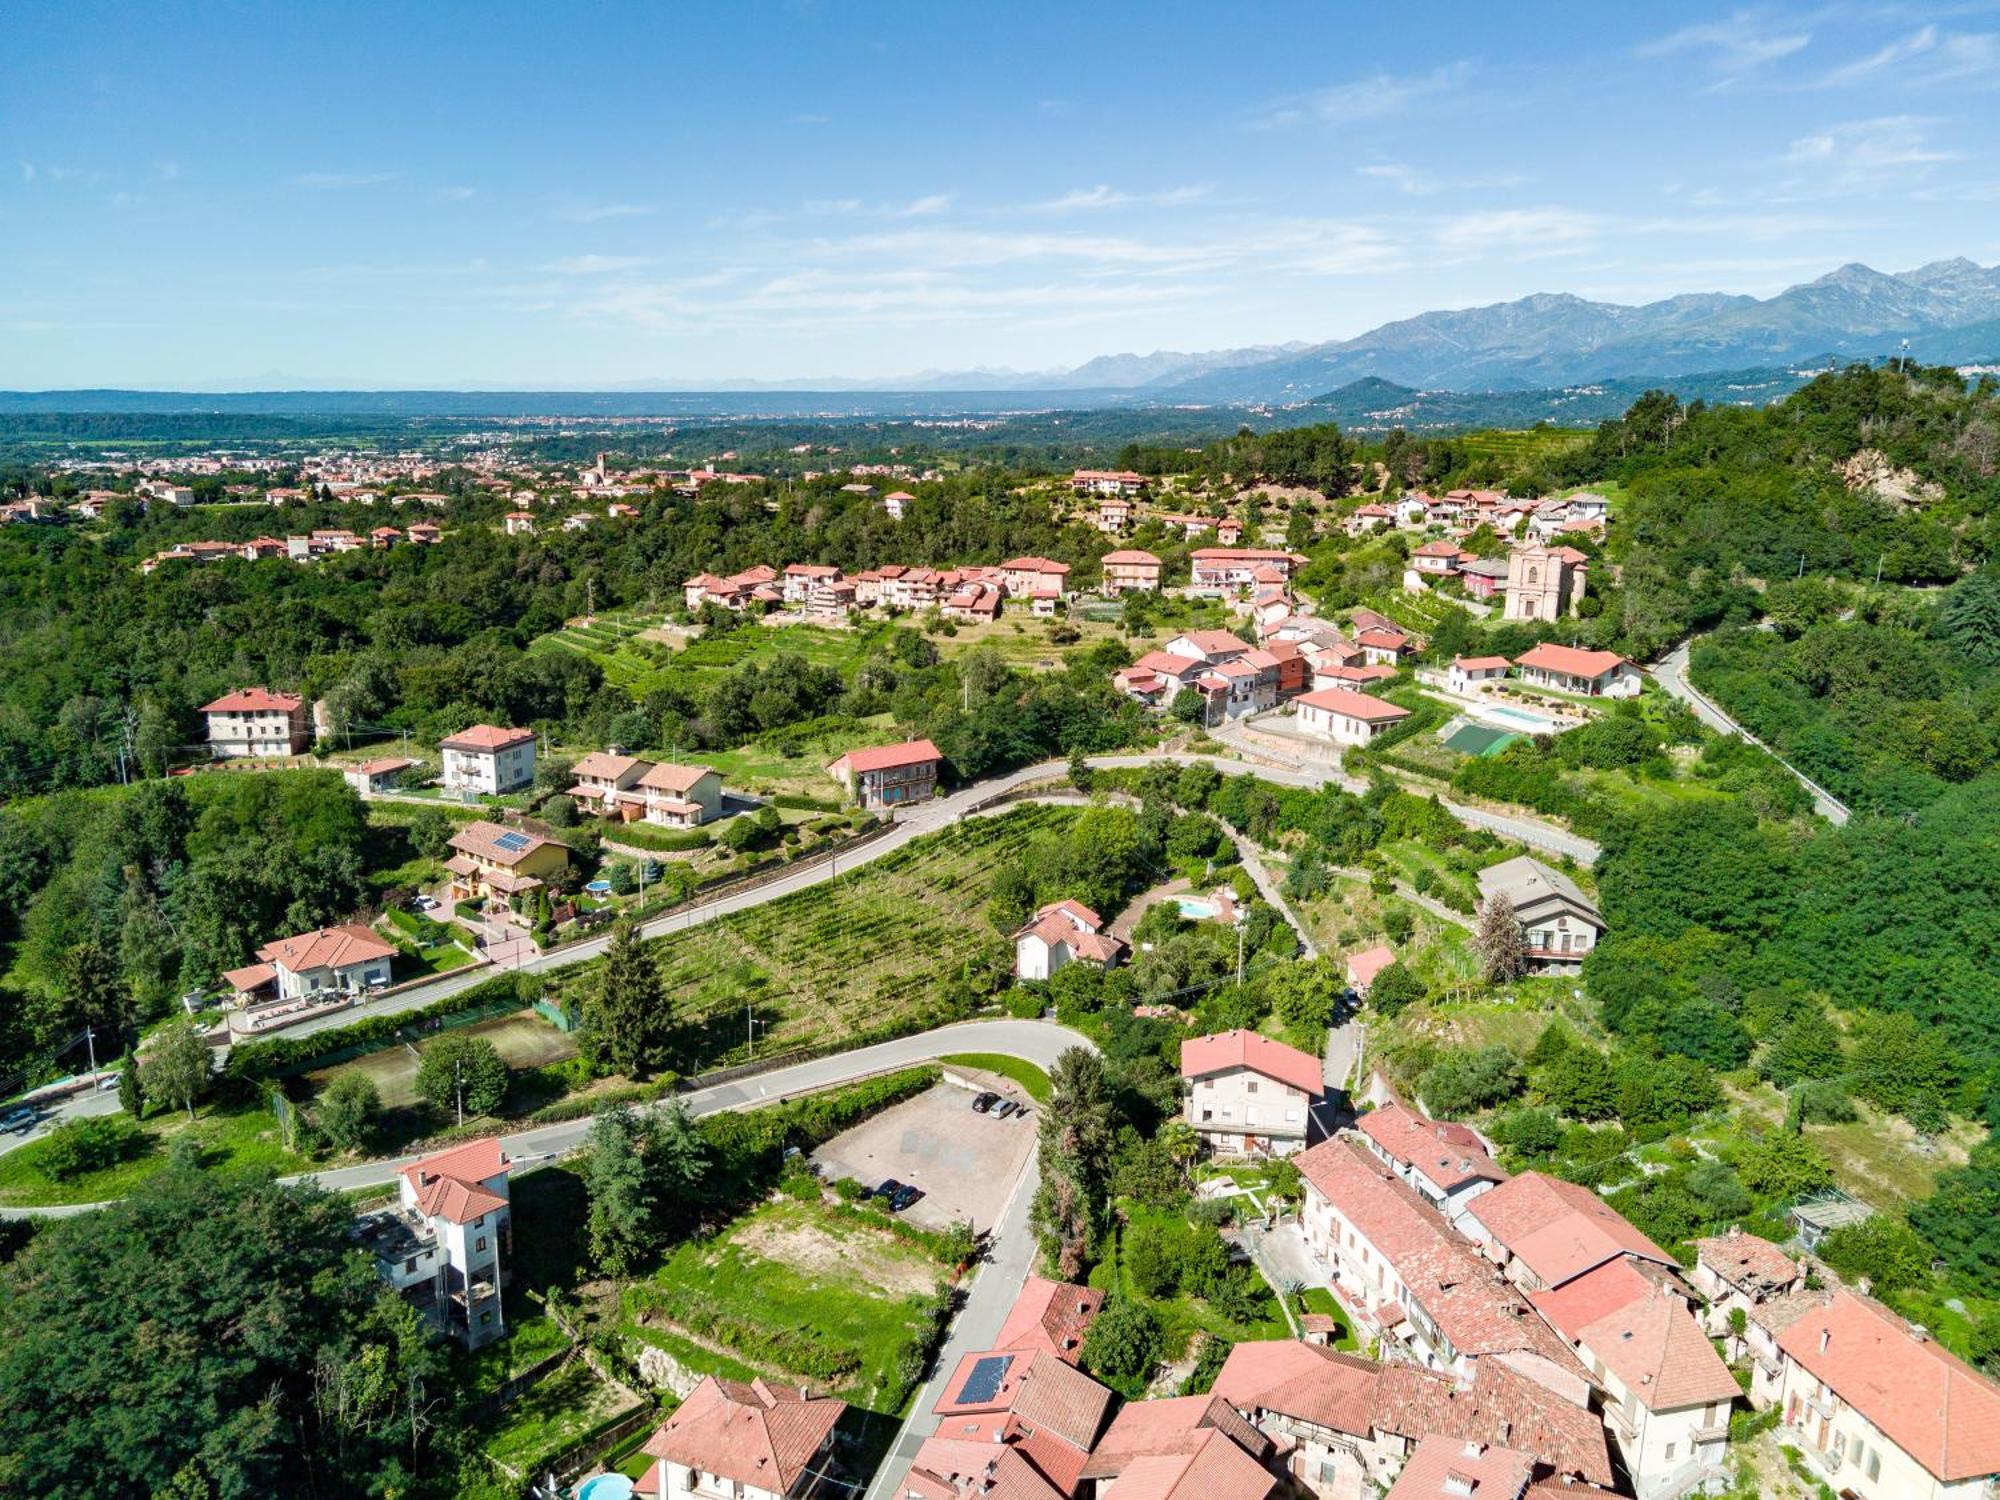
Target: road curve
(1038,1042)
(1671,673)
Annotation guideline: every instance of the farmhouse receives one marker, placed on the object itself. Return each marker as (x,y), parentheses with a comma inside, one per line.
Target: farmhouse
(488,759)
(252,721)
(1559,925)
(1346,717)
(1249,1094)
(1063,932)
(889,775)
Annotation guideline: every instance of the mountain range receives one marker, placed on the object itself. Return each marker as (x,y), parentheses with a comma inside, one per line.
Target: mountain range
(1949,311)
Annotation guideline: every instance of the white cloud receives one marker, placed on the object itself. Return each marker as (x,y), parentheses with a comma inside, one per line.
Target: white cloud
(1860,148)
(1535,231)
(1373,98)
(574,211)
(1926,56)
(595,265)
(1739,43)
(1080,200)
(932,203)
(323,181)
(457,194)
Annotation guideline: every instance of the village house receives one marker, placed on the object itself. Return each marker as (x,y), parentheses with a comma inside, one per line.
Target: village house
(1444,1468)
(1740,1273)
(1385,648)
(1559,925)
(1447,1164)
(1468,672)
(1435,559)
(889,776)
(1666,1392)
(678,796)
(490,860)
(1346,717)
(422,533)
(1370,517)
(488,759)
(1544,1232)
(1114,514)
(1181,1448)
(1189,527)
(1050,1317)
(729,1440)
(604,786)
(254,721)
(1544,584)
(1347,1427)
(1026,577)
(830,599)
(1063,932)
(1155,678)
(379,775)
(444,1244)
(519,523)
(1482,577)
(1107,482)
(1130,570)
(1591,674)
(895,504)
(344,960)
(1207,645)
(1408,1278)
(1249,1095)
(1236,567)
(1882,1411)
(974,603)
(800,578)
(1023,1423)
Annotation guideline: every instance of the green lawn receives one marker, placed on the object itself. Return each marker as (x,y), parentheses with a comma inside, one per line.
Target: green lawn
(797,1291)
(1317,1299)
(553,1416)
(233,1136)
(1182,1316)
(1030,1077)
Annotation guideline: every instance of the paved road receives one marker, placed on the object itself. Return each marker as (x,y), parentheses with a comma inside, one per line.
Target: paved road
(1671,673)
(1038,1042)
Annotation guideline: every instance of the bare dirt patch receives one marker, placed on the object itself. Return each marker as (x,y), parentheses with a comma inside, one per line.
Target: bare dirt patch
(817,1252)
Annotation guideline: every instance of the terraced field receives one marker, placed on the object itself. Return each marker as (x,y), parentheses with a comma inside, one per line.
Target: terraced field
(844,957)
(643,666)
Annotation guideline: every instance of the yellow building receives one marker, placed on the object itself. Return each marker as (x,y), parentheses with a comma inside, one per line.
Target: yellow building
(491,860)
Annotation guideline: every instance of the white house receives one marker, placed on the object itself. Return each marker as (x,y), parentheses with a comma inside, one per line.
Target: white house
(1468,672)
(1884,1412)
(347,960)
(1346,717)
(379,775)
(252,721)
(734,1441)
(1559,924)
(1248,1093)
(1447,1164)
(488,759)
(442,1245)
(1063,932)
(1591,674)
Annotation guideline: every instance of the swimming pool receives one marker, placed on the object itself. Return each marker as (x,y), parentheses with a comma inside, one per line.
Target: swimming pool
(1517,718)
(605,1487)
(1197,908)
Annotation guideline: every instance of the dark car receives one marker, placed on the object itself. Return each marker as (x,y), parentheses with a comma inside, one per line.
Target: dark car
(984,1102)
(887,1191)
(904,1196)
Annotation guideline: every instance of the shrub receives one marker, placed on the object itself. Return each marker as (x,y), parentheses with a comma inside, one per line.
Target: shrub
(88,1145)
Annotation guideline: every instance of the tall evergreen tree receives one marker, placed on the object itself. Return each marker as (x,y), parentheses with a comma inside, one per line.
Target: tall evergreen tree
(627,1024)
(1502,953)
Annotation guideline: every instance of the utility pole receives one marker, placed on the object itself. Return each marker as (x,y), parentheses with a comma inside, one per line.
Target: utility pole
(90,1044)
(1239,950)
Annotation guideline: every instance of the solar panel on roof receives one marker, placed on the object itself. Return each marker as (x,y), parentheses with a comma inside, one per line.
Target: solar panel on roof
(513,843)
(983,1384)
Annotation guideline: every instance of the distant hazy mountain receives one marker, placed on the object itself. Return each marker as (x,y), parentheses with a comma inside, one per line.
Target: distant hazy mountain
(1550,340)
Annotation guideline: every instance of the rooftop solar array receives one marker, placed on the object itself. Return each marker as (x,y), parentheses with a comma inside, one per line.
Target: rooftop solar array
(983,1384)
(513,843)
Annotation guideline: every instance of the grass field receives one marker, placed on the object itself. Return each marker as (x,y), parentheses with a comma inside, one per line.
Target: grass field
(844,956)
(1030,1077)
(642,665)
(554,1415)
(1518,447)
(235,1135)
(801,1292)
(524,1039)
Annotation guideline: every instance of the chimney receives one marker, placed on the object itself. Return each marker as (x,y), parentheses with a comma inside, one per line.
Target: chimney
(1825,1338)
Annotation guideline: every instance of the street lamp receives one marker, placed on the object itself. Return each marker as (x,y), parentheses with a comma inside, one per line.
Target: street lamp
(750,1025)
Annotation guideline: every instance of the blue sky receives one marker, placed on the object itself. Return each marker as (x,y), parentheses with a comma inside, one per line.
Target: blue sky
(220,195)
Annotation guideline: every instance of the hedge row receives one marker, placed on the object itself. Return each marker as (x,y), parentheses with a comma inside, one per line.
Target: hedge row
(803,803)
(294,1054)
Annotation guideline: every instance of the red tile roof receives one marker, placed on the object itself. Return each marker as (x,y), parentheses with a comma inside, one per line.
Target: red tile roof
(449,1185)
(1215,1469)
(326,948)
(1481,663)
(1133,557)
(254,700)
(668,777)
(1936,1408)
(1202,1055)
(1447,1154)
(486,737)
(1570,661)
(1559,1229)
(757,1434)
(1445,1468)
(1050,1316)
(1501,1406)
(1306,1381)
(889,757)
(1174,1424)
(1355,705)
(1363,967)
(1745,1260)
(1647,1337)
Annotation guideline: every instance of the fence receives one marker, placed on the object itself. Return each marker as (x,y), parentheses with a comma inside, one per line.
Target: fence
(560,1017)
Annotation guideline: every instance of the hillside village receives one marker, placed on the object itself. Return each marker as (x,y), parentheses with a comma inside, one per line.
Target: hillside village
(1180,993)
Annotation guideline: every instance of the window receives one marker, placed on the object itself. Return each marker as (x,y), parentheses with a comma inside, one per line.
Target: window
(1668,1456)
(410,1264)
(1874,1463)
(480,1244)
(485,1318)
(1252,1086)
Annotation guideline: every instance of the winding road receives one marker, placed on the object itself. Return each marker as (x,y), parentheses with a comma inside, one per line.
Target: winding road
(1671,673)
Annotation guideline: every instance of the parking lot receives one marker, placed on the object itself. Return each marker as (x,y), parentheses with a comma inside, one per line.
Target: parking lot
(966,1163)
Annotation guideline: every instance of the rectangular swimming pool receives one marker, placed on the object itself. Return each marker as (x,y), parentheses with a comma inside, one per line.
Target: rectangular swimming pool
(1517,718)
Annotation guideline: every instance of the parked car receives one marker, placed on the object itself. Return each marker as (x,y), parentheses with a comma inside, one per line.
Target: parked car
(904,1196)
(425,903)
(107,1083)
(984,1102)
(1004,1108)
(888,1190)
(19,1121)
